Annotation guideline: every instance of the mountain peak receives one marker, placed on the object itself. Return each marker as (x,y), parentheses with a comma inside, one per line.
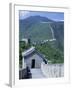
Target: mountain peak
(37,18)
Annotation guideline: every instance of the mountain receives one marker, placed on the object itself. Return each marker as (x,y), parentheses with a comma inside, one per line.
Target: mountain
(39,28)
(32,20)
(27,25)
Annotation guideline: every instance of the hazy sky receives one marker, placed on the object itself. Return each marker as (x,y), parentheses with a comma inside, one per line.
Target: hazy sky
(57,16)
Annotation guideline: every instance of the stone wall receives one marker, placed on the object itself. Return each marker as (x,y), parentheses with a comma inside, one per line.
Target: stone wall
(52,70)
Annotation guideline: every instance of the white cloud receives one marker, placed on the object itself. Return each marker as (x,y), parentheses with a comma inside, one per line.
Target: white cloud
(24,14)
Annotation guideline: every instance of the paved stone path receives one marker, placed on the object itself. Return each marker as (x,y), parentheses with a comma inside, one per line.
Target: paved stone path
(36,73)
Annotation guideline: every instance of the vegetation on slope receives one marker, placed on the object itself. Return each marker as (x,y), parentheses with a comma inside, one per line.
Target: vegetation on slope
(52,54)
